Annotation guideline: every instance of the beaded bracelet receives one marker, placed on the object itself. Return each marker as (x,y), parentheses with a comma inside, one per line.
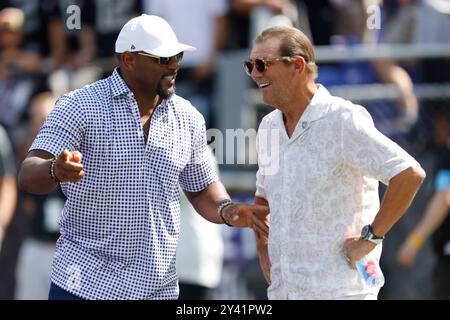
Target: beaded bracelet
(222,205)
(51,170)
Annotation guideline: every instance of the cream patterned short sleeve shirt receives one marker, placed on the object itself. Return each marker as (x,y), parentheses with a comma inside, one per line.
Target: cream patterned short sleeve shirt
(322,185)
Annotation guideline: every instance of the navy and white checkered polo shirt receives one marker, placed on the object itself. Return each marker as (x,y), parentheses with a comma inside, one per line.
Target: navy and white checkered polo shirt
(120,224)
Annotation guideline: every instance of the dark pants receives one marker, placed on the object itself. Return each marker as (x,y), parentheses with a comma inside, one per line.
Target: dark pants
(15,234)
(193,292)
(441,278)
(57,293)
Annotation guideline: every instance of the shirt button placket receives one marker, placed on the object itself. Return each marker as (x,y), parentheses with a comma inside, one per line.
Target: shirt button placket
(284,211)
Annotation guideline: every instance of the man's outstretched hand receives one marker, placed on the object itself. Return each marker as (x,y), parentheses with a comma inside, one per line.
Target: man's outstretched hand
(68,167)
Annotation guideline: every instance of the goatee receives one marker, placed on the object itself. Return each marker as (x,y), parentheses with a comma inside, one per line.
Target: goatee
(165,93)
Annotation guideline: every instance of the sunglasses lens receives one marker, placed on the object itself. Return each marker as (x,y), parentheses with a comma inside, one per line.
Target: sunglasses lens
(260,65)
(179,56)
(164,60)
(248,67)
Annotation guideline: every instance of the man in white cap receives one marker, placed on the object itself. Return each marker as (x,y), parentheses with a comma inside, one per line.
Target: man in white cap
(120,148)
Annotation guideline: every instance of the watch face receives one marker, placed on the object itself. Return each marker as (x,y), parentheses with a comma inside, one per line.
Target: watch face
(365,232)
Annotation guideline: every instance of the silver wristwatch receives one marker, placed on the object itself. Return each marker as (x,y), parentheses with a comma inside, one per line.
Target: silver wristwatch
(368,235)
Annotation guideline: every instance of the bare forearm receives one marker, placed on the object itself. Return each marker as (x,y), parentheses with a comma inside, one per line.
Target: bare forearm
(34,175)
(57,42)
(261,240)
(435,213)
(87,46)
(8,199)
(29,62)
(397,198)
(262,245)
(206,201)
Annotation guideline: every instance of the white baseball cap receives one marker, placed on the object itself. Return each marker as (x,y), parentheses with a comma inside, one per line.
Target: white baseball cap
(151,34)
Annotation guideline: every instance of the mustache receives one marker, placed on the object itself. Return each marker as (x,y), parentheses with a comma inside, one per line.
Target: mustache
(169,75)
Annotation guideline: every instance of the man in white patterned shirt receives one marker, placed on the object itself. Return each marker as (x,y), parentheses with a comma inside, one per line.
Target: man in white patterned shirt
(320,159)
(120,148)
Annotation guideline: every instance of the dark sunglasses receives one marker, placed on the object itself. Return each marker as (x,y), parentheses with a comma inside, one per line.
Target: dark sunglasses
(163,60)
(261,64)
